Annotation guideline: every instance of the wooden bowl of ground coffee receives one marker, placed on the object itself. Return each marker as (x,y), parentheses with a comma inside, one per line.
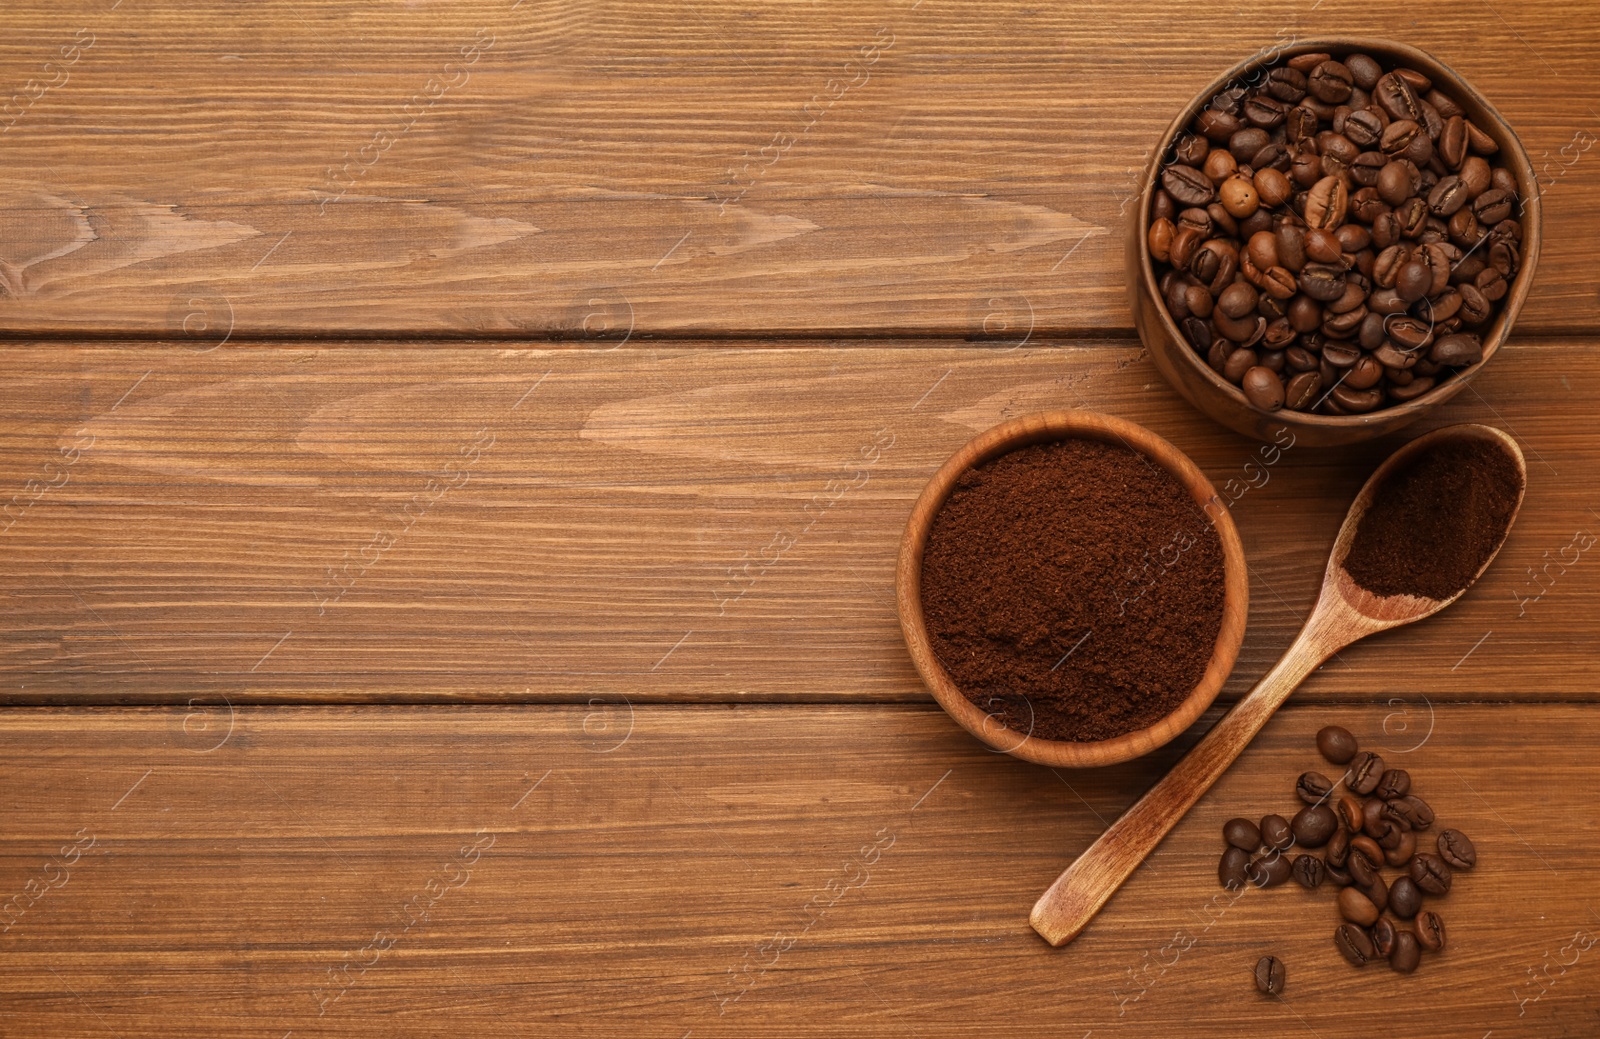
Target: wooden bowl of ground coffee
(1071,589)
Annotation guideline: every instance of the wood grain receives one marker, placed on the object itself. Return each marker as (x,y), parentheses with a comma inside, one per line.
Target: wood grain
(636,889)
(665,523)
(799,170)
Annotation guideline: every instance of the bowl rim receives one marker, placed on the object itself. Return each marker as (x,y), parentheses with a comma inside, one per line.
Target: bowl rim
(1531,216)
(1054,426)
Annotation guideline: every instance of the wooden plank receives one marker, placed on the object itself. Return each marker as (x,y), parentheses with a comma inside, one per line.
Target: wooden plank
(530,169)
(387,523)
(632,886)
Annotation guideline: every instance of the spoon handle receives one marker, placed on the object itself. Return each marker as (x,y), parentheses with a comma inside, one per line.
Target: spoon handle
(1094,877)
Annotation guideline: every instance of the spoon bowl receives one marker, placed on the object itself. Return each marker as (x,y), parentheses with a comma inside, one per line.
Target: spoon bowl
(1344,613)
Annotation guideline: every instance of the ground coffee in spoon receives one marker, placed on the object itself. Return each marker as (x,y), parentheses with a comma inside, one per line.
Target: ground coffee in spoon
(1434,523)
(1073,590)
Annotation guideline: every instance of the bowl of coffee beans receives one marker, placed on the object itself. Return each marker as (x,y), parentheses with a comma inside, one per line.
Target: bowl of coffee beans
(1071,589)
(1334,237)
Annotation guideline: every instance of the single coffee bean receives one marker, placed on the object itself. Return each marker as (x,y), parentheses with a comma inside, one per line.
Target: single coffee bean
(1309,871)
(1355,907)
(1350,814)
(1492,206)
(1373,823)
(1263,389)
(1331,81)
(1457,350)
(1363,866)
(1491,283)
(1430,931)
(1364,70)
(1313,788)
(1303,388)
(1338,849)
(1238,195)
(1411,335)
(1383,934)
(1404,848)
(1377,893)
(1242,834)
(1269,870)
(1272,187)
(1313,825)
(1275,832)
(1453,142)
(1405,898)
(1397,97)
(1322,281)
(1231,871)
(1323,246)
(1457,850)
(1416,812)
(1269,975)
(1327,203)
(1430,873)
(1395,782)
(1239,362)
(1404,391)
(1366,768)
(1407,953)
(1354,944)
(1188,185)
(1337,874)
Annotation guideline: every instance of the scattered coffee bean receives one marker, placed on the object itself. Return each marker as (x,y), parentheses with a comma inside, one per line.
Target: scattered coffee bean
(1354,944)
(1243,834)
(1404,848)
(1430,931)
(1313,788)
(1231,871)
(1365,771)
(1417,813)
(1357,908)
(1350,813)
(1338,849)
(1430,873)
(1405,898)
(1383,934)
(1395,782)
(1313,825)
(1275,832)
(1457,850)
(1407,954)
(1345,184)
(1269,975)
(1308,871)
(1336,744)
(1269,870)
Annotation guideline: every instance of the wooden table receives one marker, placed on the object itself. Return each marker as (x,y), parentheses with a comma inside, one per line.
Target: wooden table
(455,456)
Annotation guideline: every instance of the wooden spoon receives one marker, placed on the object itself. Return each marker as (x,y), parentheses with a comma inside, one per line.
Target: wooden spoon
(1345,613)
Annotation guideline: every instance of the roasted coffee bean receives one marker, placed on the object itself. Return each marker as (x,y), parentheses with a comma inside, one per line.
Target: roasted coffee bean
(1187,185)
(1265,112)
(1355,907)
(1453,142)
(1363,867)
(1377,893)
(1492,206)
(1327,203)
(1337,852)
(1383,934)
(1231,870)
(1269,870)
(1402,851)
(1313,787)
(1363,70)
(1405,898)
(1269,976)
(1457,850)
(1354,944)
(1350,813)
(1242,834)
(1430,873)
(1308,871)
(1275,832)
(1239,362)
(1272,187)
(1323,282)
(1336,744)
(1416,812)
(1263,389)
(1395,782)
(1396,96)
(1430,931)
(1457,350)
(1448,196)
(1491,283)
(1313,825)
(1330,81)
(1366,768)
(1302,389)
(1337,874)
(1407,953)
(1238,195)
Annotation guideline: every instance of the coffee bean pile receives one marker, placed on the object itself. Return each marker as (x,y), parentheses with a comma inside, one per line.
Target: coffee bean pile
(1334,238)
(1377,823)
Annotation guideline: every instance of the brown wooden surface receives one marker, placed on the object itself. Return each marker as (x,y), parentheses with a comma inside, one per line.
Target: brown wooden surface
(685,437)
(618,896)
(585,153)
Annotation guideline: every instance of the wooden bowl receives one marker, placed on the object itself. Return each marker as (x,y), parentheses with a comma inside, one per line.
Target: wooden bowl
(1189,373)
(1052,426)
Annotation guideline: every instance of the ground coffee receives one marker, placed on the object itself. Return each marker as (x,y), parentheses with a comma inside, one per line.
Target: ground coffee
(1433,524)
(1073,590)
